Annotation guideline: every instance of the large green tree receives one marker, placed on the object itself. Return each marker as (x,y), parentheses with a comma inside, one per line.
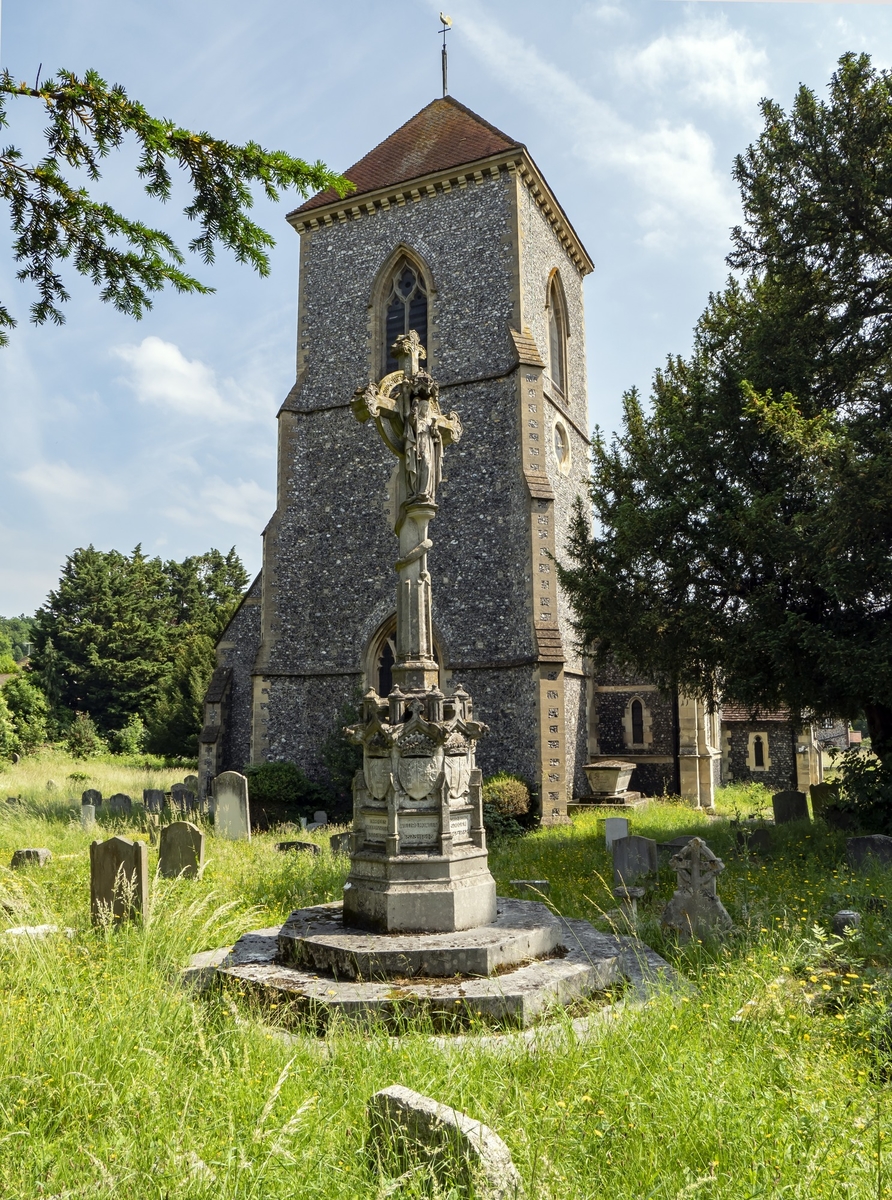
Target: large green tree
(57,221)
(126,634)
(743,522)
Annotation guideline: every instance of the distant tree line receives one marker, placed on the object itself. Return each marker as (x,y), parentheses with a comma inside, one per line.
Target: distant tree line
(120,654)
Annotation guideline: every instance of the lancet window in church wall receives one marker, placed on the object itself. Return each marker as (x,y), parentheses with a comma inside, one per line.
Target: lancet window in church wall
(405,308)
(557,336)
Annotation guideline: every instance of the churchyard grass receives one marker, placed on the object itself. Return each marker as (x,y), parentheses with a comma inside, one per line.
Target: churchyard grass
(766,1079)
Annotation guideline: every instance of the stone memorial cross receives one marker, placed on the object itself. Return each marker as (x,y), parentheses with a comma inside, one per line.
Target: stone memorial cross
(695,909)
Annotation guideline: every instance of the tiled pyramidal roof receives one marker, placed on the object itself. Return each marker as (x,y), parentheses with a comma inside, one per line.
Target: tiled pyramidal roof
(443,135)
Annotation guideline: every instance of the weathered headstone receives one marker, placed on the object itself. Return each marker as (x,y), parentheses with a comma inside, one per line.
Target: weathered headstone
(92,796)
(119,880)
(634,859)
(665,850)
(754,841)
(340,843)
(535,888)
(30,858)
(51,785)
(307,847)
(191,783)
(181,850)
(153,800)
(232,815)
(320,817)
(789,806)
(178,792)
(695,909)
(120,804)
(822,796)
(615,828)
(869,853)
(407,1128)
(88,816)
(846,918)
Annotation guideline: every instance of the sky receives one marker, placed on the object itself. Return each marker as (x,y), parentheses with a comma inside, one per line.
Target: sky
(162,432)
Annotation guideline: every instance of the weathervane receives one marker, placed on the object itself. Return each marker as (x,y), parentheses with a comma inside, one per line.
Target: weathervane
(447,25)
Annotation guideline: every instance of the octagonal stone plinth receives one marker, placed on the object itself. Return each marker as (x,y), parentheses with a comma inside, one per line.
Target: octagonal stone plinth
(317,939)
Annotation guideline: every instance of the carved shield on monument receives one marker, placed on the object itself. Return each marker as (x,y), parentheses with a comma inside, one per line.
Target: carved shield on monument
(420,774)
(377,775)
(458,775)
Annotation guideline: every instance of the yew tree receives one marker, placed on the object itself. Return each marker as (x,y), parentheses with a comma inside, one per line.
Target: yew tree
(742,542)
(56,220)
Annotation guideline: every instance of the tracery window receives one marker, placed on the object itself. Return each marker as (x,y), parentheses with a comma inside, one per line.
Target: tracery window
(405,308)
(557,337)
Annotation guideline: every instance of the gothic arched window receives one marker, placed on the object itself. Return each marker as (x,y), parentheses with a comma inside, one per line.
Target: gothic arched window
(381,656)
(637,723)
(405,308)
(557,336)
(758,751)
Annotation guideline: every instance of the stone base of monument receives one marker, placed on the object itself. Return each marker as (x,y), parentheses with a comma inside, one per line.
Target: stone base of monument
(512,971)
(618,800)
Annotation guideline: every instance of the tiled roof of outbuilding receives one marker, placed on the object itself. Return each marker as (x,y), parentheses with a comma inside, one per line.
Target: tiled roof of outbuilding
(736,712)
(443,135)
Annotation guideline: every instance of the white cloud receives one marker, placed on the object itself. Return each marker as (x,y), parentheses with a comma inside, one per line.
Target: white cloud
(58,482)
(161,375)
(244,504)
(704,63)
(671,166)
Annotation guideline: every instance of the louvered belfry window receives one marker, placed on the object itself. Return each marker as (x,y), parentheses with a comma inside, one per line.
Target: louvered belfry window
(406,309)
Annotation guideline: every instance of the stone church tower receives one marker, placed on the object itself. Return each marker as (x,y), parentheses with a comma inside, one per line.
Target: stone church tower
(451,231)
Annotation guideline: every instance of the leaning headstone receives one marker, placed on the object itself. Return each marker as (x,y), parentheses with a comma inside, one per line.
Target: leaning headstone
(695,909)
(120,805)
(537,888)
(407,1128)
(119,880)
(869,853)
(615,828)
(92,796)
(30,858)
(88,816)
(153,800)
(846,918)
(181,850)
(340,843)
(232,817)
(634,858)
(789,806)
(822,796)
(307,847)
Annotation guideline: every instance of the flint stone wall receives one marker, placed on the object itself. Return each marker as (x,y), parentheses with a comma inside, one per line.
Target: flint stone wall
(781,775)
(238,649)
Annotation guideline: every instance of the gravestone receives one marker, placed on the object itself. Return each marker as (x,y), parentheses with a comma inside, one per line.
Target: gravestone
(119,880)
(634,858)
(191,783)
(307,847)
(92,796)
(88,816)
(822,796)
(153,800)
(789,806)
(534,888)
(615,828)
(178,793)
(320,817)
(665,850)
(340,843)
(406,1127)
(120,804)
(51,785)
(846,918)
(232,815)
(30,858)
(695,909)
(181,851)
(869,853)
(754,841)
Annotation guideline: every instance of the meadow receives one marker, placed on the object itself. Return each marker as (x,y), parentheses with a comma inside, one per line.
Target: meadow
(769,1078)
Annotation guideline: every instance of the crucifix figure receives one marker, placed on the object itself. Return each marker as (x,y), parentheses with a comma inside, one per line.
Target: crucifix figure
(406,410)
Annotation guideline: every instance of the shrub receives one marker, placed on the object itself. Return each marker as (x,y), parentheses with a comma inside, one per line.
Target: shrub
(507,794)
(865,793)
(131,739)
(9,742)
(282,791)
(342,758)
(82,739)
(29,710)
